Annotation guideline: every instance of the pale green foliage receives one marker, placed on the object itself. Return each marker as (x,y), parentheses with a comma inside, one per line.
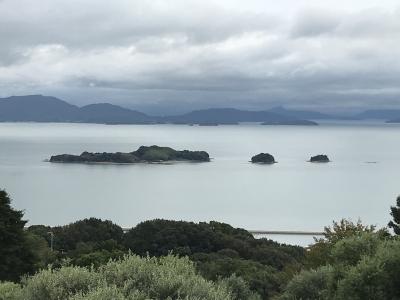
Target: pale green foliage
(161,278)
(60,283)
(10,291)
(132,278)
(109,292)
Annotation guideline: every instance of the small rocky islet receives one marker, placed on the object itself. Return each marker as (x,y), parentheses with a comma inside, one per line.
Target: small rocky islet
(266,158)
(321,158)
(143,154)
(154,154)
(263,158)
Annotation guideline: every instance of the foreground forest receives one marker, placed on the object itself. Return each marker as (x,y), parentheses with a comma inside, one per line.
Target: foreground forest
(162,259)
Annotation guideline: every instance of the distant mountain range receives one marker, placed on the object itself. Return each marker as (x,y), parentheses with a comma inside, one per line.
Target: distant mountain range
(38,108)
(390,115)
(302,114)
(233,116)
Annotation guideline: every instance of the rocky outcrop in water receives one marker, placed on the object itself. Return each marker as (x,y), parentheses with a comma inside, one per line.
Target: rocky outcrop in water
(264,158)
(143,154)
(319,158)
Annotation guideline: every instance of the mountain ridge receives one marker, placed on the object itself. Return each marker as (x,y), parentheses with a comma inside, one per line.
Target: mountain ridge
(39,108)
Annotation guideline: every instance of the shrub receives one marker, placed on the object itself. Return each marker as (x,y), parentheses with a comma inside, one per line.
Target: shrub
(310,285)
(161,278)
(239,288)
(132,277)
(349,251)
(106,292)
(364,267)
(59,284)
(320,253)
(374,277)
(10,291)
(265,280)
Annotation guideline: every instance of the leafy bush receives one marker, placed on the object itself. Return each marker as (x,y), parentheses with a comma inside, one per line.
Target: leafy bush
(364,266)
(263,279)
(132,277)
(320,252)
(376,276)
(239,288)
(59,283)
(313,284)
(349,251)
(10,291)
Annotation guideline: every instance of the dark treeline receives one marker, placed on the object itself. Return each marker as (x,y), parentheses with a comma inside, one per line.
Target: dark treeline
(218,249)
(350,258)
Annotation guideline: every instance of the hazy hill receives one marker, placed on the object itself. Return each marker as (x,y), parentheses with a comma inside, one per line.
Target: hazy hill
(301,114)
(229,116)
(393,120)
(380,114)
(111,114)
(36,108)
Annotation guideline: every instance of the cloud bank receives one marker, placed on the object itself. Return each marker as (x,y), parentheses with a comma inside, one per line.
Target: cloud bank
(174,55)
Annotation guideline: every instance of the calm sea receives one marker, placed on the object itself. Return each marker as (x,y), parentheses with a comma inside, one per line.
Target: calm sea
(362,181)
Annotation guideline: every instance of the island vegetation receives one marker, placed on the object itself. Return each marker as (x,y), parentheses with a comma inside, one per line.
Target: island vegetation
(162,259)
(263,158)
(143,154)
(320,158)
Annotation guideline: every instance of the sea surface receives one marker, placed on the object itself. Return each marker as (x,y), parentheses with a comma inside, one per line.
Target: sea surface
(362,181)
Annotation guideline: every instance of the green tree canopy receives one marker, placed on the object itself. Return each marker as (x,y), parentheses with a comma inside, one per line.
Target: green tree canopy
(365,266)
(96,232)
(219,250)
(15,256)
(395,213)
(320,252)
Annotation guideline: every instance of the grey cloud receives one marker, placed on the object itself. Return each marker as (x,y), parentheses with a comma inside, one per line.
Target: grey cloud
(313,23)
(97,23)
(363,24)
(186,54)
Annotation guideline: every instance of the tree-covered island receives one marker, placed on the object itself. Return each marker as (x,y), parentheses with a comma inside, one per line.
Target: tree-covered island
(263,158)
(143,154)
(320,158)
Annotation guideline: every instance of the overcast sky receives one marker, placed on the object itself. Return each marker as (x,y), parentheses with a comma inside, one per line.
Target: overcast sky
(173,56)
